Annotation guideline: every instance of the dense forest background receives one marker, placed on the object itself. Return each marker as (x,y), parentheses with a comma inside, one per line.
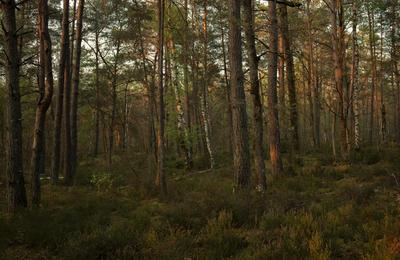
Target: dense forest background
(199,129)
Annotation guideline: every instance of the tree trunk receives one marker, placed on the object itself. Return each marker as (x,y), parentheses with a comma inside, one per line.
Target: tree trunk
(273,117)
(371,25)
(258,143)
(161,183)
(394,55)
(291,78)
(313,94)
(189,142)
(204,97)
(55,171)
(97,105)
(15,175)
(241,158)
(228,90)
(355,88)
(46,93)
(75,90)
(114,82)
(67,108)
(339,61)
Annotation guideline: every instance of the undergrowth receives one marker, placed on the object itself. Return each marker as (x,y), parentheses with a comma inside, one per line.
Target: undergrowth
(320,210)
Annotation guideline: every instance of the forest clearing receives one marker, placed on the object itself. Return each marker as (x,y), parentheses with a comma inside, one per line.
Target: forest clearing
(199,129)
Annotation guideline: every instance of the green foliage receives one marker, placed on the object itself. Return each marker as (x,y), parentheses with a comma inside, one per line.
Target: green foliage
(103,181)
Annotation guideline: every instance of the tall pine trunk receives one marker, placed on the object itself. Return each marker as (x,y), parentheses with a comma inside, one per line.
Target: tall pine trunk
(75,89)
(44,101)
(371,27)
(355,88)
(339,62)
(161,182)
(258,142)
(291,78)
(56,156)
(273,117)
(15,174)
(241,158)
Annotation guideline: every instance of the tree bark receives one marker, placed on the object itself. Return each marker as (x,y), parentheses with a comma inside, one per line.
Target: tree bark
(228,90)
(241,159)
(114,82)
(355,88)
(258,142)
(161,183)
(394,55)
(339,61)
(273,116)
(15,174)
(189,159)
(44,101)
(371,25)
(291,78)
(55,169)
(75,90)
(204,97)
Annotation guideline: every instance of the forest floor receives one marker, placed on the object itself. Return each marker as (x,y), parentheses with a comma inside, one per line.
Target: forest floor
(321,210)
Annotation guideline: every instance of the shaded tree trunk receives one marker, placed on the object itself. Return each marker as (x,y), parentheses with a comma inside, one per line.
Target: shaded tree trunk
(75,90)
(15,174)
(204,96)
(241,158)
(114,82)
(56,157)
(371,25)
(45,96)
(189,142)
(291,78)
(258,143)
(394,55)
(161,183)
(228,89)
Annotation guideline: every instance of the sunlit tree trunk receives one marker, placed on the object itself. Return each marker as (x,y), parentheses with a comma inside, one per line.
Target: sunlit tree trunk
(355,88)
(339,62)
(273,118)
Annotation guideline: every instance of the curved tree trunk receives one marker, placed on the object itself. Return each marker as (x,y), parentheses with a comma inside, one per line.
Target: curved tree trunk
(46,93)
